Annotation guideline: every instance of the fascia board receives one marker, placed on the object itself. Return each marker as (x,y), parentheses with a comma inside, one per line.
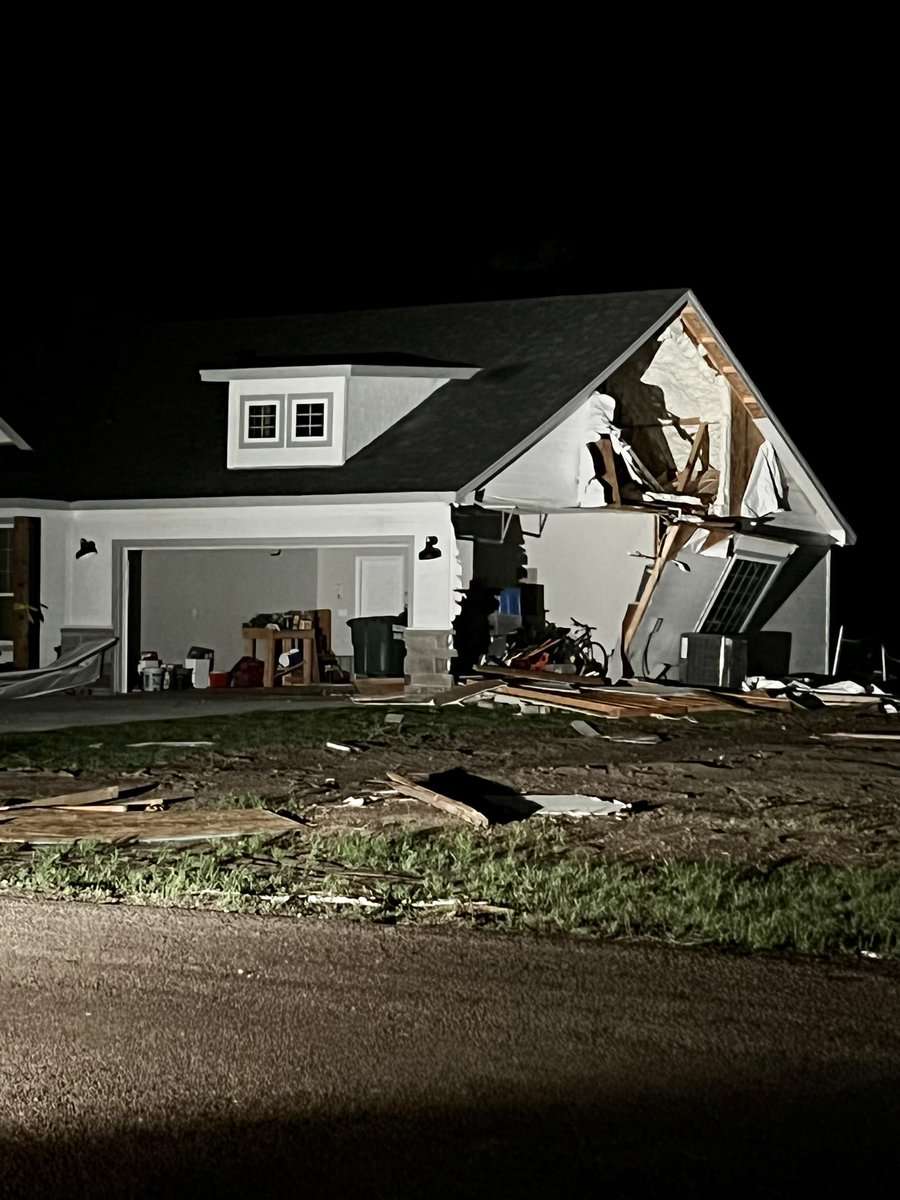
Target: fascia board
(231,374)
(358,498)
(793,460)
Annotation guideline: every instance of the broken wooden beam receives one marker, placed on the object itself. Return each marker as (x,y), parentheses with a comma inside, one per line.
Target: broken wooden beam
(604,445)
(700,445)
(560,678)
(619,706)
(464,691)
(67,799)
(455,808)
(57,825)
(674,539)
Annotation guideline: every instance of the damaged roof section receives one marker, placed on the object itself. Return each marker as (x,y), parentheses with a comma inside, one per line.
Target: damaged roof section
(676,428)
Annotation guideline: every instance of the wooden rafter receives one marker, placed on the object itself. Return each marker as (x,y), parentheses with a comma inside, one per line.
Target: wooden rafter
(604,445)
(699,449)
(701,336)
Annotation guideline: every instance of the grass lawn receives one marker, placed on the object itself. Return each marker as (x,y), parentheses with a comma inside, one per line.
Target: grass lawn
(544,874)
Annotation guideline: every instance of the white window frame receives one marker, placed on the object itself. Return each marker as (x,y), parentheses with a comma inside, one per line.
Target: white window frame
(294,400)
(285,450)
(749,549)
(249,403)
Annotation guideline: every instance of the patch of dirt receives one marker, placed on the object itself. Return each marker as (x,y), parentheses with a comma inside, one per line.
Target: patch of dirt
(758,788)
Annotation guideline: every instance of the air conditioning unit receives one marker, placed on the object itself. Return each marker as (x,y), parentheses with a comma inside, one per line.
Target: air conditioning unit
(713,660)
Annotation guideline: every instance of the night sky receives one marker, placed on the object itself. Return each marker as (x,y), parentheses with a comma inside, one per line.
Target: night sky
(783,270)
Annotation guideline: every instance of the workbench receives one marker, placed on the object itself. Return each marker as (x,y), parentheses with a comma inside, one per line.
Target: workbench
(276,641)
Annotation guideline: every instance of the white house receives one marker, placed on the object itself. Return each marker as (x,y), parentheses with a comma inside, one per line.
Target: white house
(608,448)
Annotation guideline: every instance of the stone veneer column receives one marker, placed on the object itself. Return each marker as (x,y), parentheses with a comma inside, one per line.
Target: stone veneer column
(427,663)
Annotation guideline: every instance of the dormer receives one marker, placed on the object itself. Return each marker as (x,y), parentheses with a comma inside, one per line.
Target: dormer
(319,416)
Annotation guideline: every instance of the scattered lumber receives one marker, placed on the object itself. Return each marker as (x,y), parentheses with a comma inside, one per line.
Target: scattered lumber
(464,690)
(59,825)
(455,808)
(869,737)
(560,678)
(763,700)
(606,708)
(67,800)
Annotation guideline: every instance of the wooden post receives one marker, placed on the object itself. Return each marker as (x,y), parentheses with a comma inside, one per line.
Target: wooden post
(26,582)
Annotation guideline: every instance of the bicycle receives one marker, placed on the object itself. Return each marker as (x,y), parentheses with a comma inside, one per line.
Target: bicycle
(580,650)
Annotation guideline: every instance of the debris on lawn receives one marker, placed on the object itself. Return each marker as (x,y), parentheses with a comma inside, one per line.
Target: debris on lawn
(872,737)
(542,690)
(67,799)
(455,808)
(638,739)
(134,744)
(339,746)
(59,825)
(113,813)
(562,806)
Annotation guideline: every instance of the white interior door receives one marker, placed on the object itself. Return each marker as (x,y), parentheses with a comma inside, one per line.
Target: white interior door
(380,585)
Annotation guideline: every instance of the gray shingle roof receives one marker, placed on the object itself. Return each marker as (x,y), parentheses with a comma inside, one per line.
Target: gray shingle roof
(121,412)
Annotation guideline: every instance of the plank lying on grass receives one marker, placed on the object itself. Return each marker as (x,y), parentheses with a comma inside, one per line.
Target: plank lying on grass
(67,799)
(455,808)
(870,737)
(62,826)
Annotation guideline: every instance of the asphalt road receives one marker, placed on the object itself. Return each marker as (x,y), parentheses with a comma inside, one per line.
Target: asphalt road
(154,1053)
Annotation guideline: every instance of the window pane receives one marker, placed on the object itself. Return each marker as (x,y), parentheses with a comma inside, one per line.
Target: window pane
(309,419)
(262,421)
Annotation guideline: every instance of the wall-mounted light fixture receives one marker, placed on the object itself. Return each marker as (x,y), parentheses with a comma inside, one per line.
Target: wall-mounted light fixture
(430,550)
(86,548)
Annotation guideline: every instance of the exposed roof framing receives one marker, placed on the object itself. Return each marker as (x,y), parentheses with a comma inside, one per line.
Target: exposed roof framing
(698,332)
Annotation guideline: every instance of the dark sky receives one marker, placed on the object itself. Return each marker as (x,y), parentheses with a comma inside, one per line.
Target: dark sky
(782,262)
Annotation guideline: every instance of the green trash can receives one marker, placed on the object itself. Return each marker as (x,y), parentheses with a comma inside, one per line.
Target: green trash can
(379,646)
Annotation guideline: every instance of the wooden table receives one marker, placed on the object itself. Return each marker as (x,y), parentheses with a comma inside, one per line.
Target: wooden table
(275,642)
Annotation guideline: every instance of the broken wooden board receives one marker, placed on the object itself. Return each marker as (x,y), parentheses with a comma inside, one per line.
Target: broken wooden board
(67,799)
(610,708)
(869,737)
(560,678)
(763,700)
(455,808)
(126,806)
(464,690)
(61,826)
(656,702)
